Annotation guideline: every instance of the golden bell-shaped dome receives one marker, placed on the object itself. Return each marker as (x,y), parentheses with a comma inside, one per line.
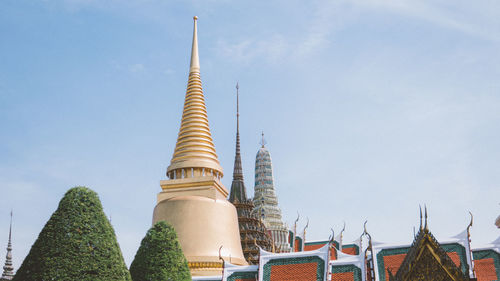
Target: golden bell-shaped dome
(194,200)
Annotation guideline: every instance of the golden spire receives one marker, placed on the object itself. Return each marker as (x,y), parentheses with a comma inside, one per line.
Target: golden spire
(195,59)
(194,153)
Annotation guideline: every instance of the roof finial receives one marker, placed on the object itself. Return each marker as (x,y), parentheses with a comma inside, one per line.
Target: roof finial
(8,269)
(341,237)
(421,225)
(263,141)
(469,240)
(365,232)
(304,231)
(295,231)
(195,59)
(332,236)
(426,227)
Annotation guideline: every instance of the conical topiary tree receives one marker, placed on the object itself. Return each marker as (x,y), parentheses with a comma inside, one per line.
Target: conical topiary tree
(160,256)
(77,243)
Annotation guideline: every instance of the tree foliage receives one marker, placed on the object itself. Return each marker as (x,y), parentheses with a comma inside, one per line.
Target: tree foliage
(77,243)
(160,256)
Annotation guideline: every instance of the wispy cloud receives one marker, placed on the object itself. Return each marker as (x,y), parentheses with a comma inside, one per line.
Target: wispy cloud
(271,49)
(463,16)
(331,16)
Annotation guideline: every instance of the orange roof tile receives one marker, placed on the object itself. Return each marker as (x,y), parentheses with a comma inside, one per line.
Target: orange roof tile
(343,276)
(485,270)
(296,272)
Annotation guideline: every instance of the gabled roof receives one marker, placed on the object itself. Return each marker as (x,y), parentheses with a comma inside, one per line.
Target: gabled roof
(391,256)
(297,266)
(426,258)
(347,267)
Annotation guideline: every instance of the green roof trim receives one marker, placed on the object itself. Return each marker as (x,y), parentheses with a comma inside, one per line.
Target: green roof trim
(349,246)
(462,254)
(242,275)
(320,271)
(357,273)
(388,252)
(489,254)
(300,249)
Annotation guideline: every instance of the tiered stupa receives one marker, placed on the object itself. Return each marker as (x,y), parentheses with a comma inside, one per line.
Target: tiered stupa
(252,230)
(266,202)
(8,269)
(193,199)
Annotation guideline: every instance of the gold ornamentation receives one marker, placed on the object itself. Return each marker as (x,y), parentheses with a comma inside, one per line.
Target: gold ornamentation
(204,265)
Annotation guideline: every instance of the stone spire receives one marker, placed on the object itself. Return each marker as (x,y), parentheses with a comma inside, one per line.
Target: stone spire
(253,233)
(8,269)
(266,201)
(194,151)
(238,190)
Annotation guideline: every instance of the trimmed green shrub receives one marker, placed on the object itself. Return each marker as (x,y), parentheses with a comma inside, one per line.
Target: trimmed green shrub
(77,243)
(160,256)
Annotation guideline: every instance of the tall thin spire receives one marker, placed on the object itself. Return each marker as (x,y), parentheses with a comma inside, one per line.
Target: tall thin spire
(195,58)
(194,153)
(238,171)
(8,269)
(238,190)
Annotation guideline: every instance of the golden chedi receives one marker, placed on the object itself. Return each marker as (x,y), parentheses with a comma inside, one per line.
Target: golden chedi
(193,199)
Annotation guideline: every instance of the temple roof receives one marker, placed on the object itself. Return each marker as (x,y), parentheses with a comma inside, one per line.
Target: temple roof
(425,259)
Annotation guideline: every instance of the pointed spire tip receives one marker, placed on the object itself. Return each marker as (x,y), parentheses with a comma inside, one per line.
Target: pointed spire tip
(195,60)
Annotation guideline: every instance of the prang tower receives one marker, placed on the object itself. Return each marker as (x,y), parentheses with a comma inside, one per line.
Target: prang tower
(193,199)
(253,233)
(266,201)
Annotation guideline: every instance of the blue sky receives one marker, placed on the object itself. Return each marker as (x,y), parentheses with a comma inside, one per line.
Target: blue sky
(370,108)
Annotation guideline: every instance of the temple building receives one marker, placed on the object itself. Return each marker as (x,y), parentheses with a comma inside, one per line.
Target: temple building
(449,259)
(253,233)
(266,201)
(194,200)
(8,269)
